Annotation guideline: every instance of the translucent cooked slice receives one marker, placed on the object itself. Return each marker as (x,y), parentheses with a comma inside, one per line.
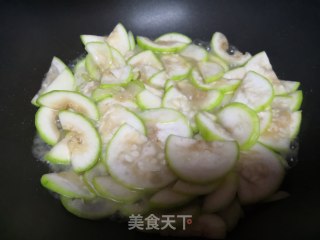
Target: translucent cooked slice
(148,100)
(68,184)
(98,170)
(290,86)
(108,188)
(100,53)
(224,85)
(283,128)
(236,73)
(59,77)
(291,102)
(260,63)
(265,118)
(135,161)
(255,91)
(61,100)
(119,39)
(116,76)
(60,152)
(210,71)
(142,206)
(46,124)
(86,38)
(167,198)
(176,67)
(194,189)
(241,122)
(198,161)
(114,117)
(210,129)
(223,195)
(132,42)
(220,46)
(93,209)
(195,53)
(261,173)
(170,42)
(159,79)
(162,122)
(85,143)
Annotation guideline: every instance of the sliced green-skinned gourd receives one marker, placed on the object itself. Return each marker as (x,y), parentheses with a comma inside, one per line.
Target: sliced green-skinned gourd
(261,172)
(223,195)
(92,209)
(86,38)
(132,42)
(162,122)
(159,79)
(61,100)
(119,39)
(167,198)
(108,188)
(134,161)
(101,54)
(265,120)
(83,142)
(92,68)
(210,71)
(46,124)
(81,75)
(220,45)
(290,102)
(117,58)
(224,85)
(290,86)
(194,189)
(215,59)
(59,77)
(97,171)
(195,53)
(127,102)
(116,76)
(260,63)
(142,206)
(148,100)
(283,128)
(60,152)
(176,67)
(241,122)
(114,117)
(102,93)
(236,73)
(68,184)
(198,161)
(211,130)
(170,42)
(255,91)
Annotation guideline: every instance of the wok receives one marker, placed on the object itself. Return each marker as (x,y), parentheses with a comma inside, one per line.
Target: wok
(32,33)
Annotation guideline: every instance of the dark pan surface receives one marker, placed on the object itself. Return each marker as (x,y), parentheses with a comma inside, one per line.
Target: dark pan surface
(31,34)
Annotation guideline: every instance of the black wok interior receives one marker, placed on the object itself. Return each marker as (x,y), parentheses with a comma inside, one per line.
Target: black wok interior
(31,33)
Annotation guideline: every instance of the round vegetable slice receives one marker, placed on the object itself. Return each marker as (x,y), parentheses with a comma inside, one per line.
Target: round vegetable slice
(283,128)
(98,170)
(148,100)
(220,46)
(236,73)
(265,120)
(110,189)
(194,189)
(93,209)
(170,42)
(223,195)
(68,184)
(210,71)
(46,124)
(198,161)
(290,86)
(260,63)
(85,143)
(119,39)
(132,42)
(142,206)
(60,100)
(261,173)
(290,102)
(86,38)
(176,67)
(209,129)
(241,122)
(135,161)
(167,198)
(116,76)
(195,53)
(162,122)
(255,91)
(224,85)
(215,59)
(60,152)
(100,53)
